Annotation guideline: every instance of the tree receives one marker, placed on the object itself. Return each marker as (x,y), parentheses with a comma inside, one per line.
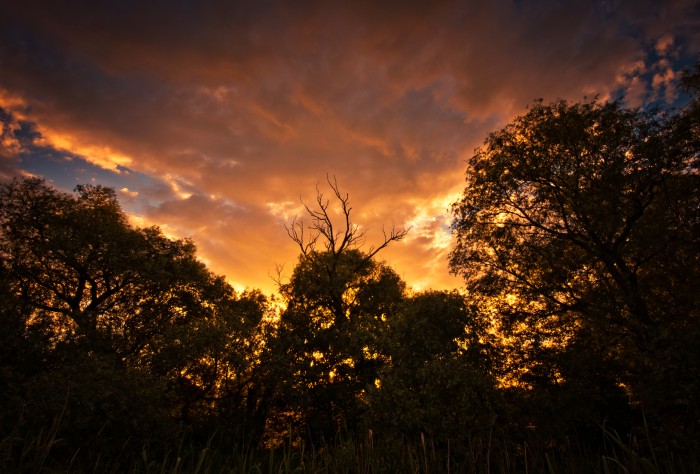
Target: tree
(337,242)
(582,219)
(134,328)
(338,300)
(439,380)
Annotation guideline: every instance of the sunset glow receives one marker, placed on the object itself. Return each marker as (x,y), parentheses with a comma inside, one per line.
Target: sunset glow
(217,123)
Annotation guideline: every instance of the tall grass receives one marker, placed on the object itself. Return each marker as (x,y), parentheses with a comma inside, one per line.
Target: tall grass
(45,452)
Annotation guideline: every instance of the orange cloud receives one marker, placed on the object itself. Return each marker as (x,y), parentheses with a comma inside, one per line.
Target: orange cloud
(103,156)
(238,111)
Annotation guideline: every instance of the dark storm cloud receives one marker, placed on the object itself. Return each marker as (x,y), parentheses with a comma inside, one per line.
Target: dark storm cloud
(236,109)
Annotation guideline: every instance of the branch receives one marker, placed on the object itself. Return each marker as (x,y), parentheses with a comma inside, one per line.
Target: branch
(394,236)
(337,240)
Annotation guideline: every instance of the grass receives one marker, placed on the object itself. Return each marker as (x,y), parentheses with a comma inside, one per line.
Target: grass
(46,452)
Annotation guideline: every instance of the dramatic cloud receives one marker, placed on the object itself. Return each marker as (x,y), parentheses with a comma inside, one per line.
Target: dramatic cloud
(214,120)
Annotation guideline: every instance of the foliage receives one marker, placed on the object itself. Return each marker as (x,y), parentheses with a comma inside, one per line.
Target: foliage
(439,379)
(117,330)
(578,229)
(338,301)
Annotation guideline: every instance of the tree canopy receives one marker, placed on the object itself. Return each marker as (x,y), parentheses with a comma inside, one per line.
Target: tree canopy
(338,300)
(578,228)
(96,303)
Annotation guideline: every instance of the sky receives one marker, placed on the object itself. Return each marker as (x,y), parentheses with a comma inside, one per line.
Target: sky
(218,120)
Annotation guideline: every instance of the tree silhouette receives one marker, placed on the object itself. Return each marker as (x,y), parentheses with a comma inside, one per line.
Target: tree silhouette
(131,328)
(578,221)
(439,380)
(338,300)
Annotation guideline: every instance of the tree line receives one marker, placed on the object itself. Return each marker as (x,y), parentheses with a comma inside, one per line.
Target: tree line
(577,237)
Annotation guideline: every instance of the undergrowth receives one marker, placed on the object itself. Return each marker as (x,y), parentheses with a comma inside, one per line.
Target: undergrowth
(47,452)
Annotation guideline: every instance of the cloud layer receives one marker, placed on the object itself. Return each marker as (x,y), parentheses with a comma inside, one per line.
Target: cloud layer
(214,119)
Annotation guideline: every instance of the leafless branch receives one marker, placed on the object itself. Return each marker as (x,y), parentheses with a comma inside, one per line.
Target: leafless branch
(277,278)
(336,239)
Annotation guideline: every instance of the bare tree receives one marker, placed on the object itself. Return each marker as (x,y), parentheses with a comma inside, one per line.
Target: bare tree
(335,239)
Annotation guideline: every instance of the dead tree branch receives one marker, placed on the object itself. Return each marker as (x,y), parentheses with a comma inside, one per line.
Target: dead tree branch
(336,239)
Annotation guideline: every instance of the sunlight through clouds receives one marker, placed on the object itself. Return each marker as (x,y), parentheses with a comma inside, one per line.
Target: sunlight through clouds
(129,193)
(98,155)
(285,211)
(431,222)
(215,132)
